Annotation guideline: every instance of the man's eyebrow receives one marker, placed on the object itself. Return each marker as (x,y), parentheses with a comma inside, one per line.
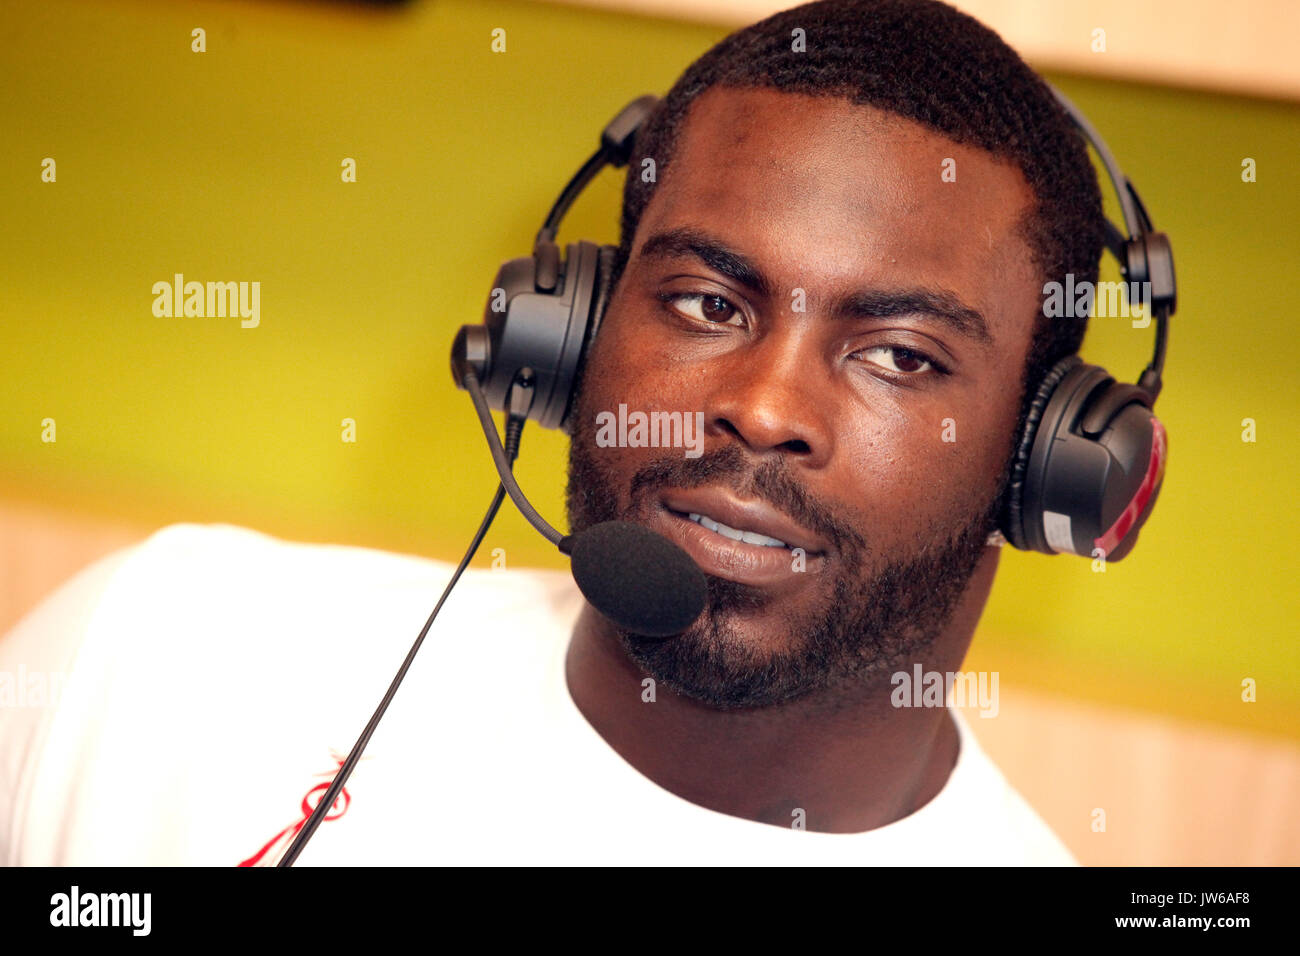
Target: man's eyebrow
(948,308)
(944,306)
(714,253)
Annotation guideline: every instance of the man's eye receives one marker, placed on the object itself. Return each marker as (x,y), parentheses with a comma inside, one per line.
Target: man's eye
(702,306)
(895,358)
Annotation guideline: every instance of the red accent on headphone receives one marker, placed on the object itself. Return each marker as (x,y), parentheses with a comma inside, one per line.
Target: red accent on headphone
(1150,481)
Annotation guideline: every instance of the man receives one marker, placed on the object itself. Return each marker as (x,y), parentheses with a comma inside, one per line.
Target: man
(838,264)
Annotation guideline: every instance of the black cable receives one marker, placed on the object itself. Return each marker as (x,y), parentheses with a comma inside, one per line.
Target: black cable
(471,383)
(514,432)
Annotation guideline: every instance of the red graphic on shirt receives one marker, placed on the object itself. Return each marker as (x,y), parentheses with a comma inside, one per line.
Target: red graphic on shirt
(269,854)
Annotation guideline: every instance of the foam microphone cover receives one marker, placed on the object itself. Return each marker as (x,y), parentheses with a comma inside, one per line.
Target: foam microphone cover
(638,579)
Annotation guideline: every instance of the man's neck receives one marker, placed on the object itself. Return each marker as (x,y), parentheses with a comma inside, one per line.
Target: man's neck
(842,761)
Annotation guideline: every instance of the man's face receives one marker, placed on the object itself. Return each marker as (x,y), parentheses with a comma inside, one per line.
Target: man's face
(853,326)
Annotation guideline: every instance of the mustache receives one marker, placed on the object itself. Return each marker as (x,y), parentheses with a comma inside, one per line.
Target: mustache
(770,482)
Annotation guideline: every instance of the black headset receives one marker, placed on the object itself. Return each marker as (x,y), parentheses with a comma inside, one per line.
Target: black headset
(1089,462)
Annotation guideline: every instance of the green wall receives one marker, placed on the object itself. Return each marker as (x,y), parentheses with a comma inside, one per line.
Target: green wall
(226,165)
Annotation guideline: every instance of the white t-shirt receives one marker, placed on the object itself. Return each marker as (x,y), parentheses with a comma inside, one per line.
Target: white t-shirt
(210,678)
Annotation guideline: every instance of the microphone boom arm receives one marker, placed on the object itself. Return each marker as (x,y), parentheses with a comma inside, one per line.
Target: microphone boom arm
(523,381)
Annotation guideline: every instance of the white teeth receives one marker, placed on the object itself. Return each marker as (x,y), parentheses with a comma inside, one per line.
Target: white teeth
(749,537)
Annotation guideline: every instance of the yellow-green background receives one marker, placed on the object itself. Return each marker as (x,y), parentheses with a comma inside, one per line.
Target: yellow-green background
(225,166)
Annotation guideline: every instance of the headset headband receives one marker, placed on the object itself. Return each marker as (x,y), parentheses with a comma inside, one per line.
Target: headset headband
(1145,256)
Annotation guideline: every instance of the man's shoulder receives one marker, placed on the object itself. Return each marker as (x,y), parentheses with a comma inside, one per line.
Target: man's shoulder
(197,607)
(215,646)
(206,575)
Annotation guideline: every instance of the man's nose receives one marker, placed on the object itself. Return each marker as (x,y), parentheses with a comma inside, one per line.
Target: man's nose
(772,395)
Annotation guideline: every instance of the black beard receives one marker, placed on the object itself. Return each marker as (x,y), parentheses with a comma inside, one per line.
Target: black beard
(865,628)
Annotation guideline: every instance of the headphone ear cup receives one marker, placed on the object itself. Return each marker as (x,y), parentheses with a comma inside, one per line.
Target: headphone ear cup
(1095,462)
(605,257)
(1013,517)
(536,321)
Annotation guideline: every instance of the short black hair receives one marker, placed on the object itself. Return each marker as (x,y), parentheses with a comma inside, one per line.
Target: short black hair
(933,64)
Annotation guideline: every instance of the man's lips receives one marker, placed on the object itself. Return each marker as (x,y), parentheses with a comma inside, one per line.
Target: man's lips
(760,565)
(719,505)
